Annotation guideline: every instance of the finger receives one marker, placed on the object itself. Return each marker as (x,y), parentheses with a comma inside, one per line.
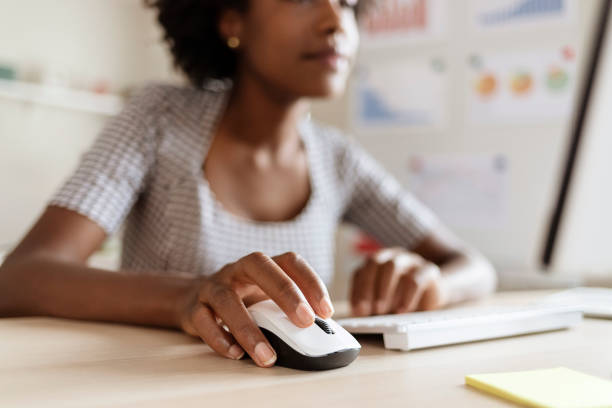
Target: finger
(360,306)
(411,291)
(255,298)
(363,289)
(389,274)
(265,273)
(404,294)
(205,325)
(227,305)
(430,299)
(353,290)
(308,281)
(187,325)
(386,281)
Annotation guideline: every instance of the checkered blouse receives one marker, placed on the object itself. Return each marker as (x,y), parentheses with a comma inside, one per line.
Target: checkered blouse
(145,168)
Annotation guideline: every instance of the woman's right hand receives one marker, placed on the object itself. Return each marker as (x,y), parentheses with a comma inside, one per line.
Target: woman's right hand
(222,299)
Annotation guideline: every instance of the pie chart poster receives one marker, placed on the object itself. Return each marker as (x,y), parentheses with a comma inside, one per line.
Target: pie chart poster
(521,87)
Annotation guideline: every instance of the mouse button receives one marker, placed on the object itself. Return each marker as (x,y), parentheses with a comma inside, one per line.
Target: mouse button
(343,335)
(313,341)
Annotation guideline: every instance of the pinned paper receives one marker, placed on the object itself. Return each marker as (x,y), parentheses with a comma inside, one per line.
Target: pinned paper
(521,87)
(486,15)
(404,21)
(406,92)
(464,190)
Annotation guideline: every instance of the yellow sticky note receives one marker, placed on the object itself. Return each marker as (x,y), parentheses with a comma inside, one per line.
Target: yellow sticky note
(549,388)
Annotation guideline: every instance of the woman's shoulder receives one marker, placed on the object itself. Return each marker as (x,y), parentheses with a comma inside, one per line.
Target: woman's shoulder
(341,144)
(332,138)
(351,161)
(341,154)
(155,98)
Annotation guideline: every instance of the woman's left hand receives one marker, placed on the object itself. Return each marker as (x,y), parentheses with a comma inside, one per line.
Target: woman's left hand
(394,280)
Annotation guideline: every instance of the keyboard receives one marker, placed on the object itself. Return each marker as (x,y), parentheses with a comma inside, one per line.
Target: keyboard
(593,302)
(419,330)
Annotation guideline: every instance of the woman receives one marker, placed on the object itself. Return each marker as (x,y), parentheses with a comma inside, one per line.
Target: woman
(231,194)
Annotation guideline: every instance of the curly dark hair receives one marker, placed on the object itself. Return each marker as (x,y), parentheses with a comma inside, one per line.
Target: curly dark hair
(191,31)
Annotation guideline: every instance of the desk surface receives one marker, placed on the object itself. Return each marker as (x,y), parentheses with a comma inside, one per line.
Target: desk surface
(52,362)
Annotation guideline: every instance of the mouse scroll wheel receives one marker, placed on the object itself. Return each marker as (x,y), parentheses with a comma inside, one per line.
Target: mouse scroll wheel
(324,325)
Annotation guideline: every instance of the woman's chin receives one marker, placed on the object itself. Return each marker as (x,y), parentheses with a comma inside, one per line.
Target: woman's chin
(326,89)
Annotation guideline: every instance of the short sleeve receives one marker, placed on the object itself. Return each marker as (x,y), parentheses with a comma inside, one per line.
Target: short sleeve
(378,204)
(113,172)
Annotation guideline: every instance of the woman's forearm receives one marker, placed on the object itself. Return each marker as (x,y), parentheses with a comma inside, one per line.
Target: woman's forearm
(469,276)
(48,287)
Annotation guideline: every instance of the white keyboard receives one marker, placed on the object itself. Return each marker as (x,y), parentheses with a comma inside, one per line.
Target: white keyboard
(594,302)
(418,330)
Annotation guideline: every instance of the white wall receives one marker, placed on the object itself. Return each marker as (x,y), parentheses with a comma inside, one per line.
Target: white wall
(112,40)
(535,152)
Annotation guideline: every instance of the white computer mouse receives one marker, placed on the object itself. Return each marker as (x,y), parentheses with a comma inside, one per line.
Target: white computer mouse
(321,346)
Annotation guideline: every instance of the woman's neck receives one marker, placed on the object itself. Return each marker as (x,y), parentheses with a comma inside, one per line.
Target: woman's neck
(260,117)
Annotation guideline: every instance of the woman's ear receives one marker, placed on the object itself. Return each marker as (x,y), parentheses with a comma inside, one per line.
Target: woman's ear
(231,25)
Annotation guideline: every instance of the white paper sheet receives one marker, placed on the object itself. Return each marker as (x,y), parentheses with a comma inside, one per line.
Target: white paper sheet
(464,190)
(407,92)
(404,21)
(521,87)
(500,15)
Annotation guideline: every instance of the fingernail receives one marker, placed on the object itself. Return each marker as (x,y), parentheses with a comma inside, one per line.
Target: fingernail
(235,352)
(326,307)
(264,354)
(305,314)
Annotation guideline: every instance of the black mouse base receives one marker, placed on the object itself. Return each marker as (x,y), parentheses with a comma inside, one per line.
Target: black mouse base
(288,357)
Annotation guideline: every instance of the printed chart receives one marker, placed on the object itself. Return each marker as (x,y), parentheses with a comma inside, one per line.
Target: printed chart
(408,92)
(519,14)
(404,21)
(521,87)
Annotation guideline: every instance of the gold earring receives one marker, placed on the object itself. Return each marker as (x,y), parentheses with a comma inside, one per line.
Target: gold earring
(233,42)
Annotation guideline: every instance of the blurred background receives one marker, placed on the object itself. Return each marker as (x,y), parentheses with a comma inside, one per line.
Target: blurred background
(469,103)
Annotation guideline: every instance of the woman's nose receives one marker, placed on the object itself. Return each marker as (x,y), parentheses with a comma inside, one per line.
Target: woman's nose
(331,16)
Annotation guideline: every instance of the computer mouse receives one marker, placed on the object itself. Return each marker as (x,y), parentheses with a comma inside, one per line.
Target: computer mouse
(323,345)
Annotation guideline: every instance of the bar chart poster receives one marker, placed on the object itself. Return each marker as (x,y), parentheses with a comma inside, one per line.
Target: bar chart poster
(522,87)
(487,15)
(394,22)
(403,92)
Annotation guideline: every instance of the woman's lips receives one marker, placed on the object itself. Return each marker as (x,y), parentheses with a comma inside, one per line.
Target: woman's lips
(330,59)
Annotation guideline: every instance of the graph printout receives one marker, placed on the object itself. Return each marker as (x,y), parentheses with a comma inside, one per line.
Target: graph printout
(521,87)
(404,21)
(486,15)
(404,92)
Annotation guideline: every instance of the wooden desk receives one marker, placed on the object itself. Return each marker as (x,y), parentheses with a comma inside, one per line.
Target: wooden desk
(51,363)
